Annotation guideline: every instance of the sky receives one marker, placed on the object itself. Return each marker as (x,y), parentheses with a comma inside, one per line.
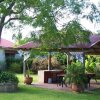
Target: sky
(7,33)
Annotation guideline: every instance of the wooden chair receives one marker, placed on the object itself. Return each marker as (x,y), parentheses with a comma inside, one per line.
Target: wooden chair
(60,80)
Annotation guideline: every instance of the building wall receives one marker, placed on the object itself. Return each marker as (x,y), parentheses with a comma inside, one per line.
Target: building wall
(2,59)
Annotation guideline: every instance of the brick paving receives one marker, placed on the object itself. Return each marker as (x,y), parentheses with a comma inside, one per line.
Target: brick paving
(93,86)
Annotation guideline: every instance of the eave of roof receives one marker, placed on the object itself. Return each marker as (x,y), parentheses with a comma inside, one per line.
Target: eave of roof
(88,47)
(6,44)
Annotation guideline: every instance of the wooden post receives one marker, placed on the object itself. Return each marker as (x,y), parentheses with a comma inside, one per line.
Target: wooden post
(24,68)
(67,59)
(49,60)
(84,61)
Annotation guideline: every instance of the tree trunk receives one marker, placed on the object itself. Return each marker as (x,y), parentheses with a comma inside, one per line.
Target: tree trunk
(2,24)
(1,28)
(2,20)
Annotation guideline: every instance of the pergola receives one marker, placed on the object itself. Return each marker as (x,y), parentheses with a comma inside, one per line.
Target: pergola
(91,48)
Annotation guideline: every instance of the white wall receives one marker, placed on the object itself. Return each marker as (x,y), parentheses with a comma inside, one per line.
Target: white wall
(2,59)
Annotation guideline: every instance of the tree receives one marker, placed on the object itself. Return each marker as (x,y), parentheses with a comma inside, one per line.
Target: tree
(50,12)
(75,33)
(19,40)
(11,10)
(17,37)
(45,14)
(94,14)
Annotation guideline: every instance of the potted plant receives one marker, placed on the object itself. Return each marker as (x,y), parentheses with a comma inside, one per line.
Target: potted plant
(76,77)
(28,79)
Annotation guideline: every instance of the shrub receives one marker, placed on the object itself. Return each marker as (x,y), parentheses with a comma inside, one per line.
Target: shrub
(2,65)
(7,77)
(42,64)
(97,70)
(75,73)
(90,64)
(15,67)
(61,57)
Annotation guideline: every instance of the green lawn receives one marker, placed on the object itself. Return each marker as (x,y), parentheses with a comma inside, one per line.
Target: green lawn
(21,78)
(26,92)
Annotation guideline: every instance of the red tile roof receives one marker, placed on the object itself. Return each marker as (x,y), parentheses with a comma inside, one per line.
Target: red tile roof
(95,38)
(5,43)
(29,45)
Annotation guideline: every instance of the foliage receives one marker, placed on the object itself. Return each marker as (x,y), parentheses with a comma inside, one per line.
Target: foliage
(75,73)
(48,19)
(2,65)
(44,13)
(97,58)
(41,63)
(17,37)
(11,10)
(71,34)
(34,63)
(36,52)
(47,16)
(94,13)
(75,33)
(61,57)
(14,65)
(28,67)
(97,70)
(90,64)
(8,77)
(15,68)
(19,40)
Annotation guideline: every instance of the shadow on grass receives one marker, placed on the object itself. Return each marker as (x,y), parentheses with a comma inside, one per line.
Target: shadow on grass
(31,90)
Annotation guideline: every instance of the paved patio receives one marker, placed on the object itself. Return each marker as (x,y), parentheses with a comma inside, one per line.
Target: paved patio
(93,86)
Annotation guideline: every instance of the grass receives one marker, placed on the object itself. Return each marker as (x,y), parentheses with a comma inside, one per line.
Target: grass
(21,78)
(27,92)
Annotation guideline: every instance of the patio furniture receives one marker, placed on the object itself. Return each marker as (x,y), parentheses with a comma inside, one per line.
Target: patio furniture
(60,80)
(90,76)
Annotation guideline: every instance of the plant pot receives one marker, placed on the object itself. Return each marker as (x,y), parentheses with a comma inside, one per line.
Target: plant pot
(77,87)
(28,80)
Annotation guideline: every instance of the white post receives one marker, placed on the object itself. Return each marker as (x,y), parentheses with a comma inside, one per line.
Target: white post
(67,59)
(49,60)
